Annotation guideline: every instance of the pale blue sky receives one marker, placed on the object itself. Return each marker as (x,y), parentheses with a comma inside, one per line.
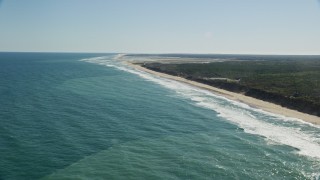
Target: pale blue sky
(161,26)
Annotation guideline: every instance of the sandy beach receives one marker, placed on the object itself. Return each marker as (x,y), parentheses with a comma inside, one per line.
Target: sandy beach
(266,106)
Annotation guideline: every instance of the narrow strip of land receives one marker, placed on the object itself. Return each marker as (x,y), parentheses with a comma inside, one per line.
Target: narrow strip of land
(266,106)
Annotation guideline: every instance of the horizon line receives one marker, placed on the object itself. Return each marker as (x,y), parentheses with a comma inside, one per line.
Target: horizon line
(169,53)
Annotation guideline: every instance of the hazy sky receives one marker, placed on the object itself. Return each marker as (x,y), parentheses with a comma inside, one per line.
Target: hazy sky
(161,26)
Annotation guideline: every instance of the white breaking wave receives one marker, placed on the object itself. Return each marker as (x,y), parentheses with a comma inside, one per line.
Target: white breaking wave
(254,121)
(119,56)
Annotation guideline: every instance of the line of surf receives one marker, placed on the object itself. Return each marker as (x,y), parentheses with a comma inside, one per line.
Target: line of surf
(298,134)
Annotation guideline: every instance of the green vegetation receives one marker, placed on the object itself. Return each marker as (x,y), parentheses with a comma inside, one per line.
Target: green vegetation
(291,83)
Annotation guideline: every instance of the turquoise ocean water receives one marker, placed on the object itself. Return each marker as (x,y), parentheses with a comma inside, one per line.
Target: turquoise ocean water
(89,116)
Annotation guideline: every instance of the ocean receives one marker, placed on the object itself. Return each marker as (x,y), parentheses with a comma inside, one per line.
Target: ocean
(90,116)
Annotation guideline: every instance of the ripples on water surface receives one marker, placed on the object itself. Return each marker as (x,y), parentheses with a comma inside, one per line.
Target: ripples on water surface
(97,118)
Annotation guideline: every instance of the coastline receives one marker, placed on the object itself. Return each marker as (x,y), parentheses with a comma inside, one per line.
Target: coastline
(264,105)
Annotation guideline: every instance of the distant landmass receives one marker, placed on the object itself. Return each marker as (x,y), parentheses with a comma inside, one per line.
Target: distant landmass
(288,80)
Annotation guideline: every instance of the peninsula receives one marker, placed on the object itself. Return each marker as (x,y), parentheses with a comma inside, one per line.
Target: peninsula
(286,85)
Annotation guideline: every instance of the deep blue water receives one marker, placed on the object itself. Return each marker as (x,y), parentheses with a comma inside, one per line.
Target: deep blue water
(76,116)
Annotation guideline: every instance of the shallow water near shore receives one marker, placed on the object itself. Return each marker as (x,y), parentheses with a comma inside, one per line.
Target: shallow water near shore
(91,116)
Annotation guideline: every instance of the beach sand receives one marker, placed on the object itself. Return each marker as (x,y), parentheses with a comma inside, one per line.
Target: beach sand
(256,103)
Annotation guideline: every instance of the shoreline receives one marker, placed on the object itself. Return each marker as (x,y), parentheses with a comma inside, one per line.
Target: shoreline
(252,102)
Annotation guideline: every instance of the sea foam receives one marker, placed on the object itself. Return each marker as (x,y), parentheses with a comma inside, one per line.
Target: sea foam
(297,134)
